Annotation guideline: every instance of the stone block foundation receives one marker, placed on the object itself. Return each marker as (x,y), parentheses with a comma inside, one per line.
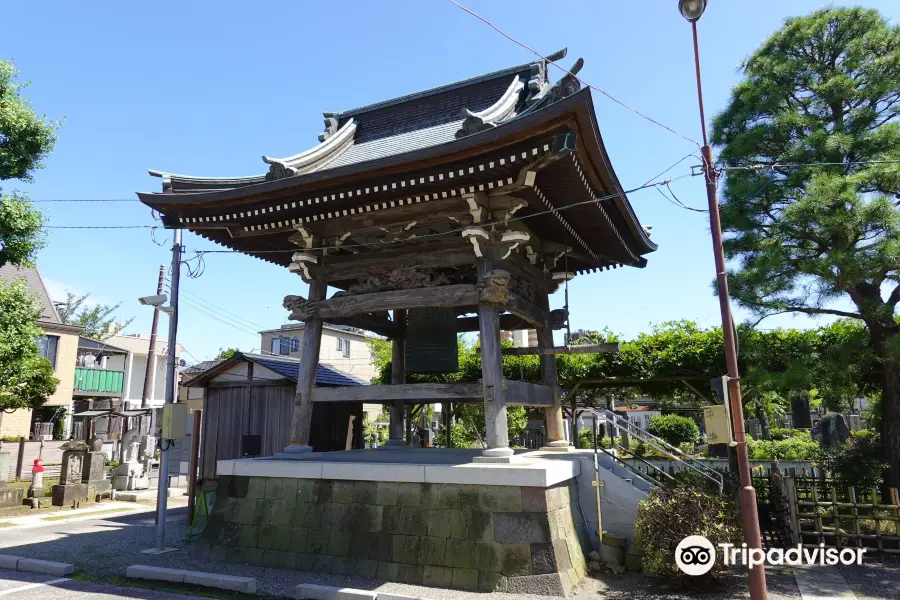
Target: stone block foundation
(472,537)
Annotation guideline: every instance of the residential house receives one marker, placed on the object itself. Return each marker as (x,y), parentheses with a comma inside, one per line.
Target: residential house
(343,348)
(59,345)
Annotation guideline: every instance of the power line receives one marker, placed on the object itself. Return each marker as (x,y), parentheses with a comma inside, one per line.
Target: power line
(83,200)
(593,87)
(219,309)
(776,166)
(100,226)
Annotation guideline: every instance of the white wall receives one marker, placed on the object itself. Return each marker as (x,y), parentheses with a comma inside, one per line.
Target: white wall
(139,369)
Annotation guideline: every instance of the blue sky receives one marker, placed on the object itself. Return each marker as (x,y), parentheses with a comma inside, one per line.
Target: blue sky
(206,88)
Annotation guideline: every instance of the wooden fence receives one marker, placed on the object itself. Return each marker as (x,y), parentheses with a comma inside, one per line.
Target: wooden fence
(813,511)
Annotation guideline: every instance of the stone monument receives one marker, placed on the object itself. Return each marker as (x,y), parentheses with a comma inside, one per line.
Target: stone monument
(131,474)
(71,491)
(9,496)
(94,472)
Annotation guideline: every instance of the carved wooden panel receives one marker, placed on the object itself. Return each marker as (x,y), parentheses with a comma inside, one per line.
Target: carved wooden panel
(431,341)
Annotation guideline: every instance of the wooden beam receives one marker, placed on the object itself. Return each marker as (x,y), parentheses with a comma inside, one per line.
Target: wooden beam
(380,325)
(409,393)
(442,296)
(518,392)
(527,310)
(524,393)
(340,268)
(548,350)
(507,323)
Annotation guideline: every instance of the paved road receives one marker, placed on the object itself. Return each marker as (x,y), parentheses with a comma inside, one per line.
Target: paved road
(32,586)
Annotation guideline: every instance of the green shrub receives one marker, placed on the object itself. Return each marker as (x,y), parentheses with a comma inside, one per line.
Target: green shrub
(638,448)
(674,429)
(670,514)
(858,462)
(792,448)
(586,440)
(778,434)
(687,447)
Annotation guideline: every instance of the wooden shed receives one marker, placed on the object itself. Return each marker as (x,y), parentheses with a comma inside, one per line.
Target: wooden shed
(253,395)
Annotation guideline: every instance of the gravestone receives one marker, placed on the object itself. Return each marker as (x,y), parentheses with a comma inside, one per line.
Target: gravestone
(71,491)
(94,471)
(9,496)
(832,429)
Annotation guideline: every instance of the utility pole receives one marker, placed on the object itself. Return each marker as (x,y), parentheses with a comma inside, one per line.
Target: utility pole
(692,10)
(151,353)
(162,499)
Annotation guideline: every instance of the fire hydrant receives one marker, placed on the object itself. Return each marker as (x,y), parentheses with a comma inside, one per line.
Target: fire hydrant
(37,479)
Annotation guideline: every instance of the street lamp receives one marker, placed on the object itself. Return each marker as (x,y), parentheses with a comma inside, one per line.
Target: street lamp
(692,10)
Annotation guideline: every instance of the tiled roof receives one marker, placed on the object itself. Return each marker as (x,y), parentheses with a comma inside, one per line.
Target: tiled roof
(35,284)
(397,144)
(290,367)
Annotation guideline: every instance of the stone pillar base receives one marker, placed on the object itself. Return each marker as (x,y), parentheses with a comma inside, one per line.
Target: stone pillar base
(496,455)
(558,446)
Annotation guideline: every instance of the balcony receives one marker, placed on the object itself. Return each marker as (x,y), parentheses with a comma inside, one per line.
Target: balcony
(98,382)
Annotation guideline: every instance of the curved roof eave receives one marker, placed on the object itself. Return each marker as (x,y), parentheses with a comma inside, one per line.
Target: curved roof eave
(621,201)
(580,103)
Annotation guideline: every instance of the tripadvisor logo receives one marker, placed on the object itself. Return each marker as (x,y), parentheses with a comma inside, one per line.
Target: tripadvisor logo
(695,555)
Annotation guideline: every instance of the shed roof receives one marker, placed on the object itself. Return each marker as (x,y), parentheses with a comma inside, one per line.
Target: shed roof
(326,375)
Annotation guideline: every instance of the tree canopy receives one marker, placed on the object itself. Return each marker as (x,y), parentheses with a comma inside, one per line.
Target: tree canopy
(96,319)
(25,139)
(820,234)
(26,377)
(226,353)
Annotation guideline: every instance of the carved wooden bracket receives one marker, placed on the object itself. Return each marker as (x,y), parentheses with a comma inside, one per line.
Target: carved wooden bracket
(301,308)
(494,287)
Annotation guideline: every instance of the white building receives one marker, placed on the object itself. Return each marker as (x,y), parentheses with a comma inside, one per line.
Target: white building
(134,365)
(344,348)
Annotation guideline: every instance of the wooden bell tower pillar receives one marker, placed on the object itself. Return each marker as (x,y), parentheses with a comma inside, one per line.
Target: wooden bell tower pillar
(493,287)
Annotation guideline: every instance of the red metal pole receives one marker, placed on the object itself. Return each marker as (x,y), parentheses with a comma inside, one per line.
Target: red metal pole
(747,496)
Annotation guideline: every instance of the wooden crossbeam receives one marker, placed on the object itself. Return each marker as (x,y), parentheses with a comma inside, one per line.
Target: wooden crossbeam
(443,296)
(517,392)
(549,350)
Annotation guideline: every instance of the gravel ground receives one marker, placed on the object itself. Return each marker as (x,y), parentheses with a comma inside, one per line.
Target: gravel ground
(103,547)
(874,579)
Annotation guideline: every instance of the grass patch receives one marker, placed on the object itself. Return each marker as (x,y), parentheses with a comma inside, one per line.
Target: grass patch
(26,484)
(87,514)
(165,586)
(7,524)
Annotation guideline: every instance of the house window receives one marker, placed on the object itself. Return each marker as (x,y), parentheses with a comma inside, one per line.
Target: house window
(346,348)
(295,344)
(340,344)
(282,346)
(47,346)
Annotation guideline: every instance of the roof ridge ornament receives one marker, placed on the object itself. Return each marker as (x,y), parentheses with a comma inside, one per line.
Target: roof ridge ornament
(315,158)
(539,83)
(569,84)
(331,125)
(500,110)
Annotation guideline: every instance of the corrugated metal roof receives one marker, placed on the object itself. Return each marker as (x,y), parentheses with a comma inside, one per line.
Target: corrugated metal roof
(397,144)
(290,367)
(35,284)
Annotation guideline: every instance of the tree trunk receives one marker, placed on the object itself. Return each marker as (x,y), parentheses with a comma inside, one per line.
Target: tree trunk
(890,419)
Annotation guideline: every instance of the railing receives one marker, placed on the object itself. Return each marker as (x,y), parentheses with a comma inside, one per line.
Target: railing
(100,381)
(661,446)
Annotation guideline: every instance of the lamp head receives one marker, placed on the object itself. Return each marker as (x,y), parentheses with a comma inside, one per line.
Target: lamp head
(153,300)
(691,9)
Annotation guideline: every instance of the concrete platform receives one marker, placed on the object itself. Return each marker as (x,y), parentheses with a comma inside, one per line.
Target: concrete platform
(532,468)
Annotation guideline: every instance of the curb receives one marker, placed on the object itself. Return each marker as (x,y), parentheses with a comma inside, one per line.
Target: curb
(33,565)
(309,591)
(231,583)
